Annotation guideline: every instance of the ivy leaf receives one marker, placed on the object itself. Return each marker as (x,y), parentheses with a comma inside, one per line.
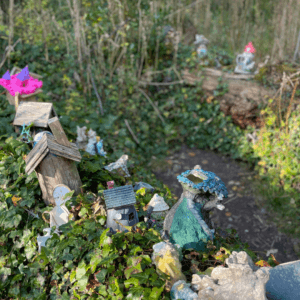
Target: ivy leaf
(100,275)
(80,270)
(82,283)
(12,222)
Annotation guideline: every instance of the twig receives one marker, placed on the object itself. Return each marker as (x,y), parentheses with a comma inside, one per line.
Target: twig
(296,53)
(185,8)
(96,92)
(160,83)
(9,49)
(153,105)
(134,137)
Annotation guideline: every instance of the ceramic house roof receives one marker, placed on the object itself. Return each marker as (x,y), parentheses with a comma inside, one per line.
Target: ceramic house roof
(211,182)
(119,196)
(37,113)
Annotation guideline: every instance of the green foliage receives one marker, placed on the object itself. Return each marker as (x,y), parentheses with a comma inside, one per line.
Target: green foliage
(82,263)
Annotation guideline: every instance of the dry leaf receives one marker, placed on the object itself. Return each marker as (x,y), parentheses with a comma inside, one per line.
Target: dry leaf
(192,154)
(209,99)
(262,263)
(228,214)
(15,200)
(204,161)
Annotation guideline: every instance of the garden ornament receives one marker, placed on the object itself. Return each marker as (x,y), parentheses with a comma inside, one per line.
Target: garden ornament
(110,184)
(42,239)
(120,208)
(245,63)
(166,257)
(188,221)
(39,136)
(145,185)
(25,135)
(201,43)
(120,166)
(81,140)
(22,82)
(59,215)
(95,145)
(160,208)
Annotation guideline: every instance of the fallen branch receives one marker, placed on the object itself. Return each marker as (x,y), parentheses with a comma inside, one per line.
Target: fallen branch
(160,83)
(153,105)
(134,137)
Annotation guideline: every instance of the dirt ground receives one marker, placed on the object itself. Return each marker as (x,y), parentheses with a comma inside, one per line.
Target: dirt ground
(253,224)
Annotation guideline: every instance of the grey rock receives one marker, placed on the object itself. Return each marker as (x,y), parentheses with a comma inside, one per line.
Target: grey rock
(242,280)
(141,184)
(181,290)
(284,283)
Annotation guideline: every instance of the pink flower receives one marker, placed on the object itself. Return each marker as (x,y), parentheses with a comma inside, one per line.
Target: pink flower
(21,82)
(249,48)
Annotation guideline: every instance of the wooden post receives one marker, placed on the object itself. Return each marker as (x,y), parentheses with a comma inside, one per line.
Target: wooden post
(17,95)
(58,132)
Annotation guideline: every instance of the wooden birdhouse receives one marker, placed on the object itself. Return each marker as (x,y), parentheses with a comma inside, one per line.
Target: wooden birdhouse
(38,113)
(120,206)
(53,159)
(29,97)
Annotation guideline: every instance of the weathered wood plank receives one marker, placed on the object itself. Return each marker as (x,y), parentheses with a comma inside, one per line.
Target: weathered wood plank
(54,170)
(71,152)
(35,164)
(58,132)
(36,149)
(36,112)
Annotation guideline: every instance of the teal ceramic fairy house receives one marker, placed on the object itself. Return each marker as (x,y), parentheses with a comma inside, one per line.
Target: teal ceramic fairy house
(188,223)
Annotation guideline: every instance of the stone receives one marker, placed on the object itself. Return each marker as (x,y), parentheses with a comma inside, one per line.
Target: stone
(241,280)
(166,257)
(284,281)
(145,185)
(181,290)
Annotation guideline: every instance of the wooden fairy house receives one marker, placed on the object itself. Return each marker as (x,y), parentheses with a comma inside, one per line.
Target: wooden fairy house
(120,206)
(37,113)
(53,159)
(29,97)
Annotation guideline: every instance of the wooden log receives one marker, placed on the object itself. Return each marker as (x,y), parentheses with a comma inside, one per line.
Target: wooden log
(58,132)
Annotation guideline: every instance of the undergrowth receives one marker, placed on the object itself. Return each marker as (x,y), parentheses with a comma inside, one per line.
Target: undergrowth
(83,263)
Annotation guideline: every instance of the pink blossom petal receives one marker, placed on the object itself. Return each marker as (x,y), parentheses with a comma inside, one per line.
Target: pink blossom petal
(5,83)
(6,76)
(24,74)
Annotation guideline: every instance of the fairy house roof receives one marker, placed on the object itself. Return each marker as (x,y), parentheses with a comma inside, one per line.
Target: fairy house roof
(119,196)
(204,180)
(38,113)
(48,144)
